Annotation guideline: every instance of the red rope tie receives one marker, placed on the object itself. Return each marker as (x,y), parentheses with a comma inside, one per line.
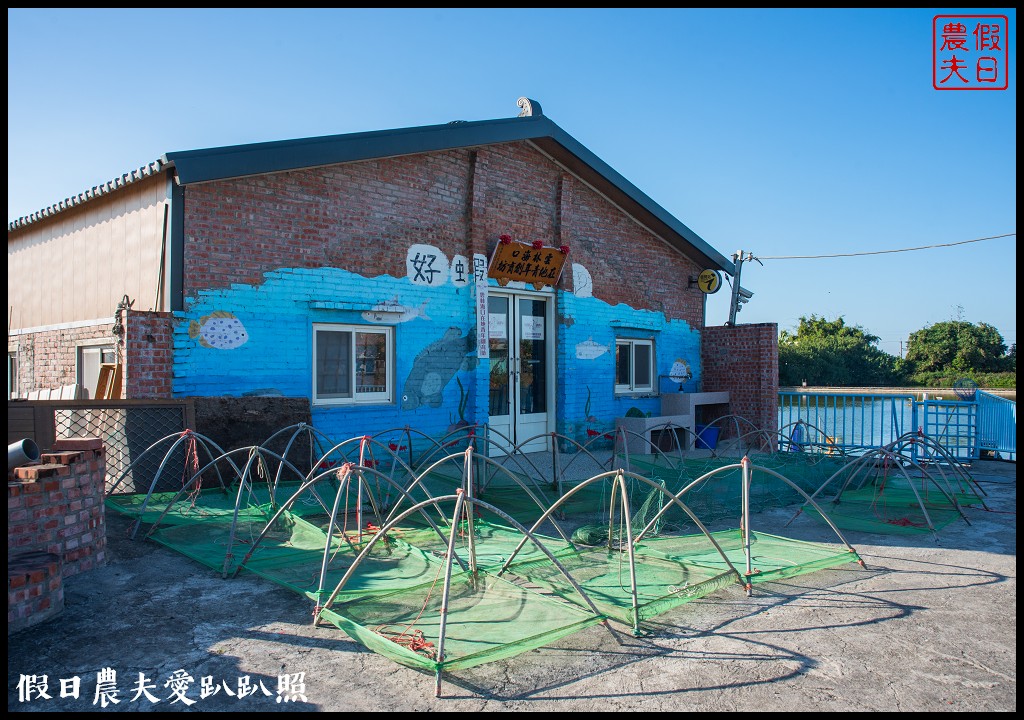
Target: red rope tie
(904,522)
(413,640)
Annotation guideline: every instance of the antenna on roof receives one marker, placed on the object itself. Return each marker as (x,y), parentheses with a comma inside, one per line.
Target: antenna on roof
(529,107)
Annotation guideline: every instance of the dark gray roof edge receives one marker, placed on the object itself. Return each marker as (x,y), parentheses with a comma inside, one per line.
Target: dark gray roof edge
(106,188)
(218,163)
(638,196)
(253,159)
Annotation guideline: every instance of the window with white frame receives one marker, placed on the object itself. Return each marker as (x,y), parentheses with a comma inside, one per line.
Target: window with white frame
(12,375)
(90,358)
(634,365)
(353,364)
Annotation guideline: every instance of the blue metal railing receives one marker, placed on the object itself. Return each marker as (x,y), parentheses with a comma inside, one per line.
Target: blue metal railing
(953,425)
(997,424)
(853,422)
(850,422)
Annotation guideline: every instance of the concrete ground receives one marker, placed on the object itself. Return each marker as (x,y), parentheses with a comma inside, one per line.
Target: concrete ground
(926,626)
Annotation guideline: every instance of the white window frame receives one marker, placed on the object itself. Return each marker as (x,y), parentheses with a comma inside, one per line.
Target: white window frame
(12,375)
(632,344)
(358,398)
(88,348)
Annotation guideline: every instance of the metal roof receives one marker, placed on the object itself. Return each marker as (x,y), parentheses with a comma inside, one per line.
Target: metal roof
(97,191)
(219,163)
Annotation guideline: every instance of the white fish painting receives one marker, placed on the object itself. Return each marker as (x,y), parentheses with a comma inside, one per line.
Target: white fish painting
(388,311)
(680,371)
(220,329)
(588,349)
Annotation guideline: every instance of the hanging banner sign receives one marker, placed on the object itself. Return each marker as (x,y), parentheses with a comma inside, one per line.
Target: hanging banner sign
(534,264)
(483,340)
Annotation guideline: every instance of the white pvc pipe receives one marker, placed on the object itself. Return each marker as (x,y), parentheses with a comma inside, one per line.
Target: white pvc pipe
(22,452)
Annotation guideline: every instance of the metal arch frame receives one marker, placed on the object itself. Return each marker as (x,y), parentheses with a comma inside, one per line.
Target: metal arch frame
(619,476)
(861,464)
(460,499)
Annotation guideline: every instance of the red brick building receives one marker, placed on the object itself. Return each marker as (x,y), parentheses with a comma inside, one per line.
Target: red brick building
(359,271)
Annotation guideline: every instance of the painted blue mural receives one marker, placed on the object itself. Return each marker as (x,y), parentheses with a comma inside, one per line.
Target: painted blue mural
(247,339)
(277,356)
(587,334)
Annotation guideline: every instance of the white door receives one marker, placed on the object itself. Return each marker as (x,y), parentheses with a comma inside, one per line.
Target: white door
(522,366)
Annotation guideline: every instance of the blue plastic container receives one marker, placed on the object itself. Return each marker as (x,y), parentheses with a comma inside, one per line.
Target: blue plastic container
(707,437)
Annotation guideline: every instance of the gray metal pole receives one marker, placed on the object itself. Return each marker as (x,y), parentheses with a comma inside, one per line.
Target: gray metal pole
(734,304)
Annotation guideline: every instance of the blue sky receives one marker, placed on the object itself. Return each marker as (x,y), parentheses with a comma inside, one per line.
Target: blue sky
(775,132)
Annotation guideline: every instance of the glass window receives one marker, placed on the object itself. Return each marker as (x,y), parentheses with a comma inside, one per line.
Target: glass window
(12,375)
(352,364)
(634,366)
(90,358)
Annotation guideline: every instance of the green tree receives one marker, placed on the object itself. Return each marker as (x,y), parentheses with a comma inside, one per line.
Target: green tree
(830,352)
(957,346)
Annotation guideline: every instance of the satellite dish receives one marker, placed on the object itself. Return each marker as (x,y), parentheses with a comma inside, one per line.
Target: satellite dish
(965,388)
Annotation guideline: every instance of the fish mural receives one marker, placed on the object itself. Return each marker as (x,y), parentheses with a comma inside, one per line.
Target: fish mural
(436,365)
(588,349)
(392,311)
(220,329)
(680,371)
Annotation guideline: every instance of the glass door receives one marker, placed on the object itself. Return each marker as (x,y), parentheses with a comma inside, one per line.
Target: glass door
(521,351)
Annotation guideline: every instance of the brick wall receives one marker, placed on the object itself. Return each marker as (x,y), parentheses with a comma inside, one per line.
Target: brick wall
(55,527)
(362,216)
(263,250)
(149,355)
(57,506)
(49,359)
(744,360)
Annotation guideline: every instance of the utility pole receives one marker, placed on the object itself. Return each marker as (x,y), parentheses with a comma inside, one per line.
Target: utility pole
(738,297)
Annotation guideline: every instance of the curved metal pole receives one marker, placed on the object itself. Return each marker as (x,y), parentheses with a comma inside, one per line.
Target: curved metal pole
(186,488)
(254,456)
(346,472)
(308,485)
(674,498)
(152,487)
(745,520)
(314,434)
(446,589)
(584,449)
(857,464)
(459,499)
(468,470)
(627,513)
(181,435)
(813,504)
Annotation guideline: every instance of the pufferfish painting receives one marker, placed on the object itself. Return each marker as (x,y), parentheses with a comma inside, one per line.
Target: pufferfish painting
(220,329)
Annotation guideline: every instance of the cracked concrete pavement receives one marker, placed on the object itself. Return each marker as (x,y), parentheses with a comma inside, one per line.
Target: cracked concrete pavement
(926,626)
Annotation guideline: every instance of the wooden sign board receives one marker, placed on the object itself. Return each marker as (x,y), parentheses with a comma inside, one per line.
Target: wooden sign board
(525,263)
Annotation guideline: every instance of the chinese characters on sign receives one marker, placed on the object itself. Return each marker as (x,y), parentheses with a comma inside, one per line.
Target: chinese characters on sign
(970,52)
(533,264)
(290,688)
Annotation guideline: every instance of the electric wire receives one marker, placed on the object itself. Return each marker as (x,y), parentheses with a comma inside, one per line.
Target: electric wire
(881,252)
